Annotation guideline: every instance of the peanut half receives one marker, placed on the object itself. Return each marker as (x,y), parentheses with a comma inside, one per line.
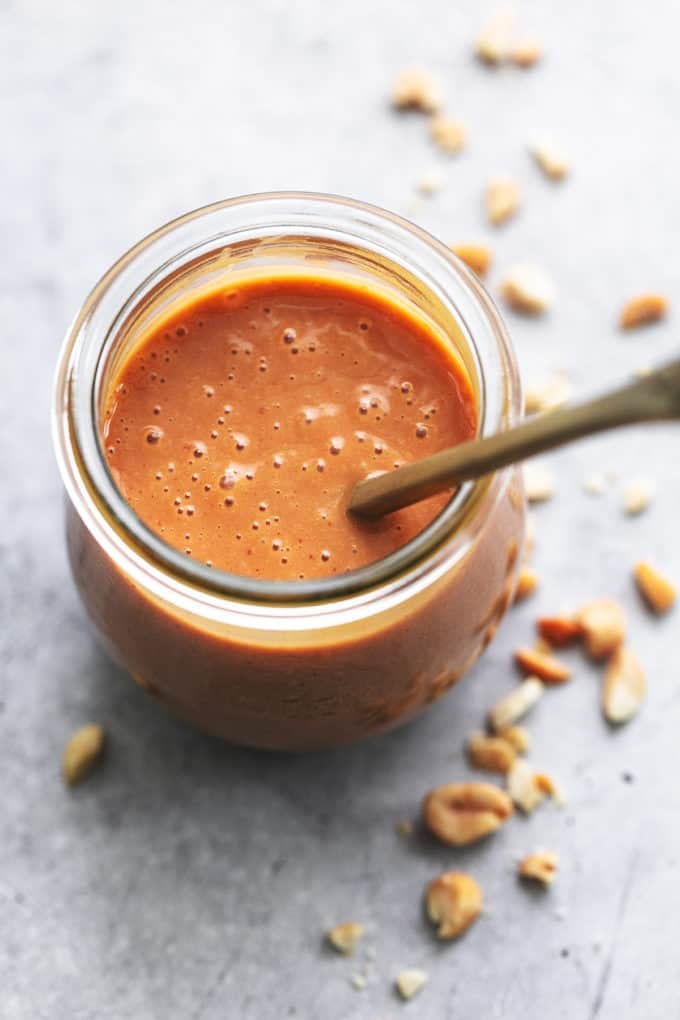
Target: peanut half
(461,813)
(511,708)
(476,256)
(657,590)
(416,89)
(82,752)
(546,667)
(551,161)
(603,623)
(453,901)
(643,309)
(637,496)
(345,937)
(493,42)
(624,686)
(540,866)
(493,754)
(526,53)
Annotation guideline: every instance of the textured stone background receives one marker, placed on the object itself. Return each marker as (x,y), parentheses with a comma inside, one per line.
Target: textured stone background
(191,881)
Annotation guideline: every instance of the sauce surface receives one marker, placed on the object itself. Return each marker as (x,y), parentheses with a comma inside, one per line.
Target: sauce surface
(237,427)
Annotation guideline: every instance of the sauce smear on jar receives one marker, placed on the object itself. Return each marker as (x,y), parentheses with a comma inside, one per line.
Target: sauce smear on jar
(237,426)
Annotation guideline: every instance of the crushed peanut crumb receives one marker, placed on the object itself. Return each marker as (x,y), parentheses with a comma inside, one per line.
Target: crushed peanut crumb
(547,786)
(502,200)
(540,866)
(453,902)
(416,89)
(548,395)
(515,705)
(527,289)
(642,310)
(526,53)
(358,981)
(410,982)
(430,183)
(448,134)
(595,484)
(344,937)
(658,591)
(637,496)
(538,482)
(624,686)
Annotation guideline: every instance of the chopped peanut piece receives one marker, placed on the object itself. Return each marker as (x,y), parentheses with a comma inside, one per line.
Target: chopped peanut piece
(493,754)
(527,582)
(476,256)
(523,788)
(502,200)
(624,686)
(559,630)
(545,667)
(344,937)
(453,901)
(540,866)
(551,161)
(517,737)
(595,484)
(82,752)
(358,981)
(410,982)
(416,89)
(538,483)
(430,183)
(461,813)
(637,497)
(547,785)
(658,591)
(548,395)
(643,309)
(528,290)
(515,705)
(493,42)
(448,134)
(603,624)
(526,53)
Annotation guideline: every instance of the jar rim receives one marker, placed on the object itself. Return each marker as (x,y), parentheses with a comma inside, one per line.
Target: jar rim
(75,420)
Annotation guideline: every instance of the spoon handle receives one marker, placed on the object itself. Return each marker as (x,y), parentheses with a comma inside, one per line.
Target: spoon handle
(655,397)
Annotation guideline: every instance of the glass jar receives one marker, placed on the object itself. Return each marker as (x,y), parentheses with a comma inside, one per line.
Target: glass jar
(289,665)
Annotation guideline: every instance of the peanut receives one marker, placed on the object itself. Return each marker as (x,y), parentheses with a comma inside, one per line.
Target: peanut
(527,289)
(559,630)
(82,752)
(448,134)
(624,686)
(461,813)
(642,309)
(603,623)
(453,901)
(540,866)
(514,705)
(416,89)
(502,200)
(657,590)
(546,667)
(493,754)
(344,937)
(476,256)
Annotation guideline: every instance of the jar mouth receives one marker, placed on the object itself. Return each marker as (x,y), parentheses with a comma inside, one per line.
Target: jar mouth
(213,228)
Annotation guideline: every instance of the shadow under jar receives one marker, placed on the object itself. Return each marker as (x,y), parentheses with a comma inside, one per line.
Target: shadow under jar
(290,664)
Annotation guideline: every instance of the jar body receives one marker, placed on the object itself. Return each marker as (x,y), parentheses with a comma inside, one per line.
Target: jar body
(288,667)
(325,687)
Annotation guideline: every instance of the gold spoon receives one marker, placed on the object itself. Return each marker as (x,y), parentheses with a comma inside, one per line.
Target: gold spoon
(656,397)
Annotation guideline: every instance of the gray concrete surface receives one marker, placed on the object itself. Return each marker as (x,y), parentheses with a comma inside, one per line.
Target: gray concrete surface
(192,881)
